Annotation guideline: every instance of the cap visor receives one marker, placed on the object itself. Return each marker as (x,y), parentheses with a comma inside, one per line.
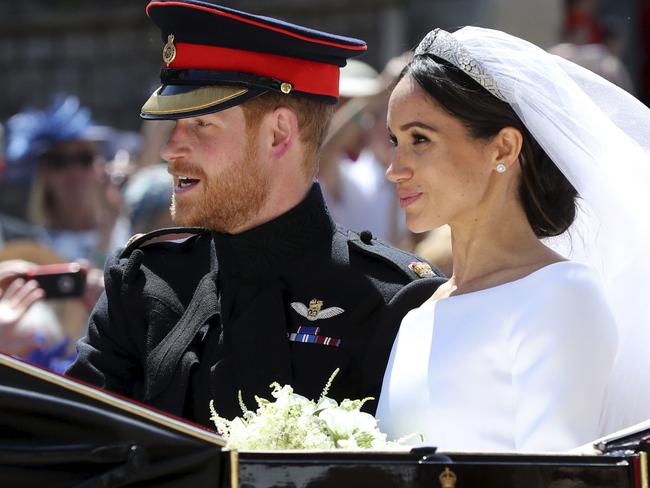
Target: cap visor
(180,101)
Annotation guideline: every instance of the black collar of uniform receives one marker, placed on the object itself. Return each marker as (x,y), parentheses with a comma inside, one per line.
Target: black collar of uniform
(274,244)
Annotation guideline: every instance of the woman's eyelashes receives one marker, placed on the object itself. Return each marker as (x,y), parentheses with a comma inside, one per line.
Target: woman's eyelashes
(416,139)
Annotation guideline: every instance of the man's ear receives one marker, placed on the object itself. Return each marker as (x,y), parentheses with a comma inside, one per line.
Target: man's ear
(285,131)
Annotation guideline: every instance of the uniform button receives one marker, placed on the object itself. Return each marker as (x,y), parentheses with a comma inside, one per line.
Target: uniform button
(366,236)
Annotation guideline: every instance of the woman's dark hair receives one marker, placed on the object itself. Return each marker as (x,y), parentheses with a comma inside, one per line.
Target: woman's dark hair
(548,198)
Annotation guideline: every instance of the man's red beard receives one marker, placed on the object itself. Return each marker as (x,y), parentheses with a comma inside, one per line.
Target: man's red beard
(226,202)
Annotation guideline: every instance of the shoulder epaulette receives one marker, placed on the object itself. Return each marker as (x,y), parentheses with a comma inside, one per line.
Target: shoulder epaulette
(410,264)
(160,235)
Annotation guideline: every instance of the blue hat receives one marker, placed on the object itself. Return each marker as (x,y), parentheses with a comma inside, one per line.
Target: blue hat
(216,57)
(33,132)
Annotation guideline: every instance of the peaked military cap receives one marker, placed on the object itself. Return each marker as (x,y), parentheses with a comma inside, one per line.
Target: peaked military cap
(216,57)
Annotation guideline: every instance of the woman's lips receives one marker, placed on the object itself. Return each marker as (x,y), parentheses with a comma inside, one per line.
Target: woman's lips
(406,199)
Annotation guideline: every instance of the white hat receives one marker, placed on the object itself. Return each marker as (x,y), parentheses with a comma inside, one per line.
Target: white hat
(359,79)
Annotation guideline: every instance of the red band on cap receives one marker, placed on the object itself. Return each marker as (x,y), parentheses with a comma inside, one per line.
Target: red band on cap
(256,23)
(305,76)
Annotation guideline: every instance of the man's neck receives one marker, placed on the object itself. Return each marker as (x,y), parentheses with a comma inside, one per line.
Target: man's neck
(278,202)
(269,247)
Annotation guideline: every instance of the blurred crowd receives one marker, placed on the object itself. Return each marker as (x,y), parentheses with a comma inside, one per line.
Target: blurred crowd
(73,191)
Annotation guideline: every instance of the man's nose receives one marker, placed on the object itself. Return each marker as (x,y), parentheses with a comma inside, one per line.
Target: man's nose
(176,146)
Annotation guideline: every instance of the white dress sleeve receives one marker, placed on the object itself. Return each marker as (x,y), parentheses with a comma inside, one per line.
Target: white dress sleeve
(562,356)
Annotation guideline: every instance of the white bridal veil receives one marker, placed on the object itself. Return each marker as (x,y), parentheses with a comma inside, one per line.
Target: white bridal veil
(599,137)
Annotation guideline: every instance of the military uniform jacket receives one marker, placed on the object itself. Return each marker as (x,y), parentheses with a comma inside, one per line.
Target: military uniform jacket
(183,323)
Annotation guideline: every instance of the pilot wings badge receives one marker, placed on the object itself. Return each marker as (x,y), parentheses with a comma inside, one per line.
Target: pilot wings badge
(314,311)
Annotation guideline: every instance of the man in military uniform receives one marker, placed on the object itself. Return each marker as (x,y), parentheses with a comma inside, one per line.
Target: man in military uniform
(267,288)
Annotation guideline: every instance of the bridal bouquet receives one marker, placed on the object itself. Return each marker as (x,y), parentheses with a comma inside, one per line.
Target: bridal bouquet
(292,421)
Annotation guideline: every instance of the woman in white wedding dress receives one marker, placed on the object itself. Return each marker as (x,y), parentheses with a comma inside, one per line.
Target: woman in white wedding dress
(521,153)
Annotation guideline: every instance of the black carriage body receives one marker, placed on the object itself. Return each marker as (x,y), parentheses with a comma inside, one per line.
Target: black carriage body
(444,470)
(58,431)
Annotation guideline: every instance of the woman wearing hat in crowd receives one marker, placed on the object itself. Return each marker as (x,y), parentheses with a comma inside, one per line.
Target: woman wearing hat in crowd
(541,169)
(58,147)
(57,150)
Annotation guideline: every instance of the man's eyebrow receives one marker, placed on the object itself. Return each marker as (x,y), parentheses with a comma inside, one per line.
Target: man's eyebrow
(415,123)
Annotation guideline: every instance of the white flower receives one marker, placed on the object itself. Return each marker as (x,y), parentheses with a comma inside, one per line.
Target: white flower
(295,422)
(339,422)
(325,402)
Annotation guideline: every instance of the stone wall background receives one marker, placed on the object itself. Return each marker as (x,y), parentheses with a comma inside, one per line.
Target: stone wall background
(108,52)
(104,52)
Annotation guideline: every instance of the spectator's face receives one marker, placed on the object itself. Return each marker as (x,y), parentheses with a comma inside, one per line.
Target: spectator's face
(70,175)
(442,174)
(218,182)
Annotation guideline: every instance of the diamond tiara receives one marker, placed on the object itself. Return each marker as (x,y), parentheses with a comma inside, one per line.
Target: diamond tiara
(442,44)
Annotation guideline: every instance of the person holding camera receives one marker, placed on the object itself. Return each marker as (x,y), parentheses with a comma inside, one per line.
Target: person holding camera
(26,322)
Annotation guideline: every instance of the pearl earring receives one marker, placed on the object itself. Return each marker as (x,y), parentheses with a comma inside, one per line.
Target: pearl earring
(501,168)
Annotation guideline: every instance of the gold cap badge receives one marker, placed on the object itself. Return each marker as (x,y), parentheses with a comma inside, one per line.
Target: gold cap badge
(169,50)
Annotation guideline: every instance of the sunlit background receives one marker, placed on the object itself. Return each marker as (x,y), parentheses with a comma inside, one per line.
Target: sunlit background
(108,52)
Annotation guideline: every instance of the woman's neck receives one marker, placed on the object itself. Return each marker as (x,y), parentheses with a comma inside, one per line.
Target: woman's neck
(494,247)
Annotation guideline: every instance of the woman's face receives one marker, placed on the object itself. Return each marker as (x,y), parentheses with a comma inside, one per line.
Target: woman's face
(70,175)
(440,171)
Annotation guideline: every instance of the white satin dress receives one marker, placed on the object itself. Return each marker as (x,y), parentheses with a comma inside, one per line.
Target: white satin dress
(521,366)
